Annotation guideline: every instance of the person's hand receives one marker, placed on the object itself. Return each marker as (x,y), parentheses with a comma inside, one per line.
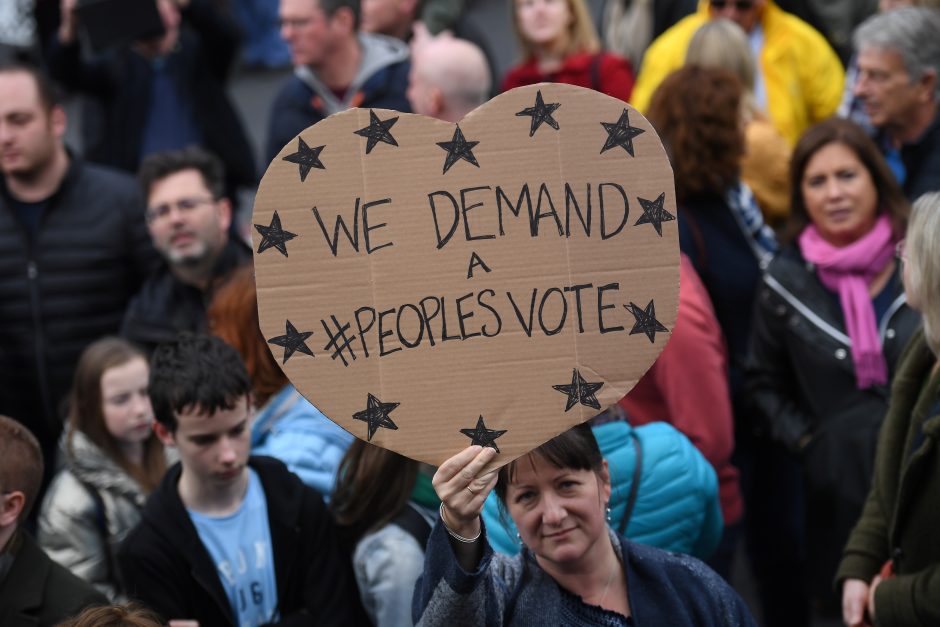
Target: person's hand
(183,623)
(871,597)
(854,600)
(68,22)
(462,489)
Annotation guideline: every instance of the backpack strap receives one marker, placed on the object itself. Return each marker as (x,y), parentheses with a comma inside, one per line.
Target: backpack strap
(414,523)
(635,485)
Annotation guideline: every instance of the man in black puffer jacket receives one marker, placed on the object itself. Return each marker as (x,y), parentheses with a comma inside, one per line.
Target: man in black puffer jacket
(73,250)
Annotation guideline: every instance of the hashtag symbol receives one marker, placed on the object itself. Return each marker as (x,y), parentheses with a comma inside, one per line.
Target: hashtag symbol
(339,341)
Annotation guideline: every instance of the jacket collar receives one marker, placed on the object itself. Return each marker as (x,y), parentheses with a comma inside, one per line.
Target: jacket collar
(24,584)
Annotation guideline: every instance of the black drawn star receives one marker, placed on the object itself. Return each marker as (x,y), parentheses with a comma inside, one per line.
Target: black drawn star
(620,133)
(458,148)
(377,131)
(541,112)
(376,415)
(646,321)
(306,157)
(274,236)
(580,391)
(654,213)
(482,436)
(293,341)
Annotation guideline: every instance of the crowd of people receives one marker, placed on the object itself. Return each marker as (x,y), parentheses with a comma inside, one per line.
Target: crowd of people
(157,466)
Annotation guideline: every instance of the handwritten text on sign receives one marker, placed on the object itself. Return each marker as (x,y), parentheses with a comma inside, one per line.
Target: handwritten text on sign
(500,279)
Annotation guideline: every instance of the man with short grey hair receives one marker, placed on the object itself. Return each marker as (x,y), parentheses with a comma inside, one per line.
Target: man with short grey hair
(898,65)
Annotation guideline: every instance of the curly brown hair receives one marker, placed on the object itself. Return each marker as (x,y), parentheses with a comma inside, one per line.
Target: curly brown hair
(697,113)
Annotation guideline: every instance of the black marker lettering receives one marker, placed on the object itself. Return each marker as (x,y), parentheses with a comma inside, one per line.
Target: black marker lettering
(564,311)
(499,321)
(525,327)
(461,317)
(366,228)
(385,334)
(442,241)
(601,307)
(352,237)
(364,330)
(465,209)
(626,209)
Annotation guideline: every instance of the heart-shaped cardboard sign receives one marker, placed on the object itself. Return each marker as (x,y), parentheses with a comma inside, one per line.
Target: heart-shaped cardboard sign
(429,285)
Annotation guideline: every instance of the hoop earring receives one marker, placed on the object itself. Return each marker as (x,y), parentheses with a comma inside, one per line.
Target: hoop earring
(608,514)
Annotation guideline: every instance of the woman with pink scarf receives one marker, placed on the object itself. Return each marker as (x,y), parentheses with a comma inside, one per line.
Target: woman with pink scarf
(829,326)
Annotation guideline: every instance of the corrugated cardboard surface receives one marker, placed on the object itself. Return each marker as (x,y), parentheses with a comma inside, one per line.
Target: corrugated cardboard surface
(507,379)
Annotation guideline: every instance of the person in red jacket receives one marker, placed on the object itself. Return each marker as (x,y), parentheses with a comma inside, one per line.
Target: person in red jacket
(692,394)
(560,45)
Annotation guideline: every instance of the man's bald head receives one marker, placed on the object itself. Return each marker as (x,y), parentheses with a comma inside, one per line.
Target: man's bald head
(449,78)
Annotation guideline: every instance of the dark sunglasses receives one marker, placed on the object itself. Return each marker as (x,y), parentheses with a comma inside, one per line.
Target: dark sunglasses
(740,5)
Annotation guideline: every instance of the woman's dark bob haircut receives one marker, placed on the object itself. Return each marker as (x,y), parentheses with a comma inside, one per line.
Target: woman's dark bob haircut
(891,199)
(576,449)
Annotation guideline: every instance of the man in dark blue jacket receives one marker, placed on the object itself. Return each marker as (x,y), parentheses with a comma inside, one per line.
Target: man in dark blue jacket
(335,68)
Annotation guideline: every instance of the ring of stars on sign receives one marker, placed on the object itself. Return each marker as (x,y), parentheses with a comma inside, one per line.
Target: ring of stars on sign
(383,414)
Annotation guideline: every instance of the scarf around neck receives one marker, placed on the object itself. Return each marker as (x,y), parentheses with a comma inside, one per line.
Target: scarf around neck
(848,270)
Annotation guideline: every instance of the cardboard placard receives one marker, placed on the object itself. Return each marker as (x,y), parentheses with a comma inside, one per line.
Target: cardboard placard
(430,285)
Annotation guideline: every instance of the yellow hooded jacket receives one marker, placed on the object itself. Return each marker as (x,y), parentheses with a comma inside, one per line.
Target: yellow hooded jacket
(802,75)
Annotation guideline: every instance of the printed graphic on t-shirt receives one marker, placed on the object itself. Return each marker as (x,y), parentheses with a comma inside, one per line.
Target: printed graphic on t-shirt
(240,546)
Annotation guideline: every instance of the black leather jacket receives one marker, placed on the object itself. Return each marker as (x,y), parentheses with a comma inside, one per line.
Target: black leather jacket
(800,374)
(801,380)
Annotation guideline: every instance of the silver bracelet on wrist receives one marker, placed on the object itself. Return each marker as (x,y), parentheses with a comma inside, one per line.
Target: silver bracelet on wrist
(455,535)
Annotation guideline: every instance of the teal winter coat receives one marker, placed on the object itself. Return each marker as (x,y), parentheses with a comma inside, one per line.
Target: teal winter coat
(676,508)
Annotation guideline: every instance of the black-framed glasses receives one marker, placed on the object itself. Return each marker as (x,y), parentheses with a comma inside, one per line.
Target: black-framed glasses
(740,5)
(183,205)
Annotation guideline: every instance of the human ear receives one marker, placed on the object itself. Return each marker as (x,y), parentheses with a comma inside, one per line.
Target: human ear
(928,81)
(603,478)
(164,434)
(11,506)
(225,214)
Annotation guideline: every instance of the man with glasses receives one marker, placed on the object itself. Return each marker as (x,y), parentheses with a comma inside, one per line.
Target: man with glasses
(899,87)
(188,218)
(798,74)
(73,251)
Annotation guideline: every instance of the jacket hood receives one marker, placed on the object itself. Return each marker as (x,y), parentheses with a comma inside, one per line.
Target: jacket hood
(378,53)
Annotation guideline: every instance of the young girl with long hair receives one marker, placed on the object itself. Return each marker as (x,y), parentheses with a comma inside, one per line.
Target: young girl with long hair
(113,461)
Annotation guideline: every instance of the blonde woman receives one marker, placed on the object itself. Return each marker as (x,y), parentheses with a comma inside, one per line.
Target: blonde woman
(891,564)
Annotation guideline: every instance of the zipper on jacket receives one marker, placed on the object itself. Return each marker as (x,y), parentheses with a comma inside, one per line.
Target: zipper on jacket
(32,277)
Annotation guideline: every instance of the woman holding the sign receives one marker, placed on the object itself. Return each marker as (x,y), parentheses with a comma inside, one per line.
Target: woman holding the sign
(560,45)
(574,570)
(830,324)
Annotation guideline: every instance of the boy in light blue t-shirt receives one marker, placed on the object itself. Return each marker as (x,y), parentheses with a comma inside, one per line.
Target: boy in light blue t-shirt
(227,539)
(240,546)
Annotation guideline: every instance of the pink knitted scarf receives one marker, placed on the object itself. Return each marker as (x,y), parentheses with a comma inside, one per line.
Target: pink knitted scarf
(848,271)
